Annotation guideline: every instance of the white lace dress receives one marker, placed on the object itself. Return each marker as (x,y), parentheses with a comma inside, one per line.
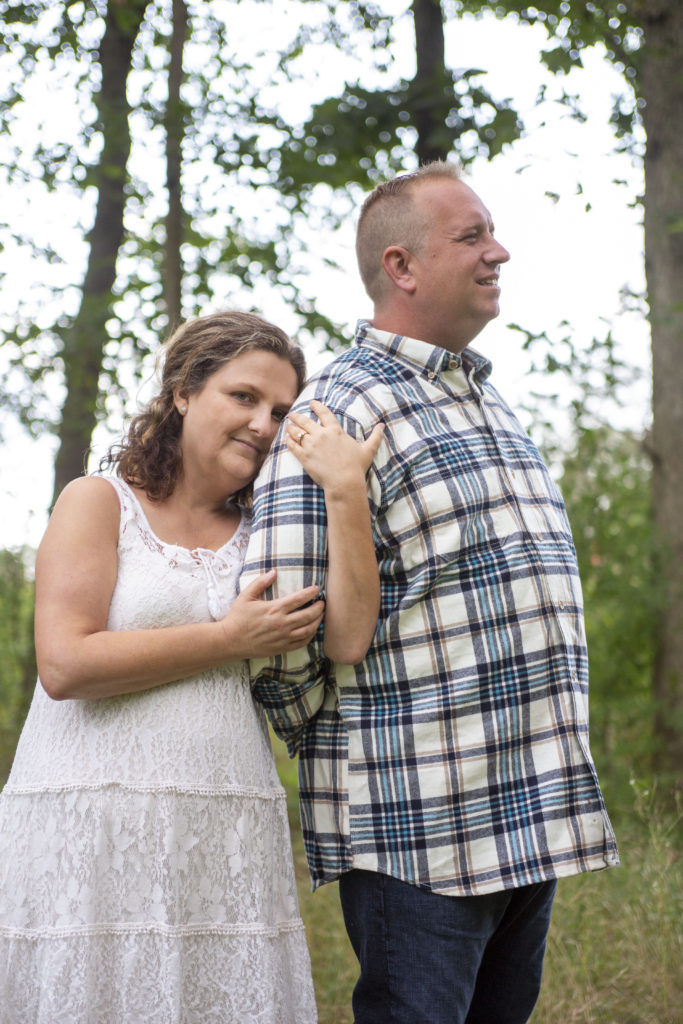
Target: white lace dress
(145,865)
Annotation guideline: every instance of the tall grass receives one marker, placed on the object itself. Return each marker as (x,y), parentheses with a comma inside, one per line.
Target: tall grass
(615,948)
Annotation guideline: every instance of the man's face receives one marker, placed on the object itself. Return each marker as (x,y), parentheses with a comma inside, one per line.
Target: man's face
(457,263)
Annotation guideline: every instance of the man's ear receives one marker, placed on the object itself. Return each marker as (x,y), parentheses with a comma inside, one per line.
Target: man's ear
(398,265)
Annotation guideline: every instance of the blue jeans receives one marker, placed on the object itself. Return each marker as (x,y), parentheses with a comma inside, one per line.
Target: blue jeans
(432,959)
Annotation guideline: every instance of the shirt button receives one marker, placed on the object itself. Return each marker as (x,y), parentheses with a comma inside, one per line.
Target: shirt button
(431,375)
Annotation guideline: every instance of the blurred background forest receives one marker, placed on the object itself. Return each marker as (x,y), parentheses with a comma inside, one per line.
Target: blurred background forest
(204,154)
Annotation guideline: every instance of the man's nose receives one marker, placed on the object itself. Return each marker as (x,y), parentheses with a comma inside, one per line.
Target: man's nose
(497,253)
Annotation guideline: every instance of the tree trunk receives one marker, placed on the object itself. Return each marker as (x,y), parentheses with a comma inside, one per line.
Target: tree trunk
(432,90)
(84,345)
(173,268)
(661,86)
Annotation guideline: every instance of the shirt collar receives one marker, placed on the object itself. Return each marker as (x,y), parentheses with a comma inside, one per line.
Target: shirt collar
(425,359)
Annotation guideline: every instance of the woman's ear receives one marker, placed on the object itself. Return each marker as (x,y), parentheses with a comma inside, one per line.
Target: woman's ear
(398,266)
(180,401)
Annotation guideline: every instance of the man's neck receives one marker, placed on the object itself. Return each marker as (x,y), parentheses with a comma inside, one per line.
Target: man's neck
(395,324)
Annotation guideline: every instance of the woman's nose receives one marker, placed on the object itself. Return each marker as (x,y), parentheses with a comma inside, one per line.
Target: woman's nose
(261,421)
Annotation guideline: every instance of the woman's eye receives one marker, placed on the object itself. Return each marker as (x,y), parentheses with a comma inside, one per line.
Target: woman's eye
(279,415)
(241,396)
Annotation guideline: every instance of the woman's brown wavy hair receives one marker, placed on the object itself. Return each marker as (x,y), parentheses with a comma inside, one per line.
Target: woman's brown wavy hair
(149,455)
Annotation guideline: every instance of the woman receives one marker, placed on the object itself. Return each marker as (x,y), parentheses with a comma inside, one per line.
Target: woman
(145,872)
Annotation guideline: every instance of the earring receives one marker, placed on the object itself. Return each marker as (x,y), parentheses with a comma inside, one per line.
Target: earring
(182,410)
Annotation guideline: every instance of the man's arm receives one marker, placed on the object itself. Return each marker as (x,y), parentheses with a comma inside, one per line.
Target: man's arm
(339,464)
(289,534)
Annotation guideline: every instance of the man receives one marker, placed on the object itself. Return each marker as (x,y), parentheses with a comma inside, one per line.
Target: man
(446,779)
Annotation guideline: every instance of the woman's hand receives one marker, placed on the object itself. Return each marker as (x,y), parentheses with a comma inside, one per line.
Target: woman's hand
(329,455)
(256,628)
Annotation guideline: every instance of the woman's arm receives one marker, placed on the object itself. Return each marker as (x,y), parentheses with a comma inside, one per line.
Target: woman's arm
(76,571)
(338,464)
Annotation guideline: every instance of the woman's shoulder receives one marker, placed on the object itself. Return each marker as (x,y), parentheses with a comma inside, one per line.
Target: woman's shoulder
(90,490)
(86,515)
(87,499)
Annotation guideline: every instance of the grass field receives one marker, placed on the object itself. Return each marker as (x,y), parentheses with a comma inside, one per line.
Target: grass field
(615,949)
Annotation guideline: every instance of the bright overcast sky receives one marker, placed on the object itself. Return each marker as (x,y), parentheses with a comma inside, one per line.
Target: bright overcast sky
(568,263)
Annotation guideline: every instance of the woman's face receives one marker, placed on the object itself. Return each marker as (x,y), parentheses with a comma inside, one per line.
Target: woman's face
(231,423)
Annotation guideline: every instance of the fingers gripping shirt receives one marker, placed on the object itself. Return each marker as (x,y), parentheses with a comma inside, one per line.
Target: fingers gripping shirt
(456,755)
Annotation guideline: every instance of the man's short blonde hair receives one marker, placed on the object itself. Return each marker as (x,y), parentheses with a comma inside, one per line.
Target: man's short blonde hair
(388,217)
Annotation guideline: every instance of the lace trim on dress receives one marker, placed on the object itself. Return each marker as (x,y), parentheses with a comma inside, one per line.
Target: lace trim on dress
(172,931)
(223,557)
(140,787)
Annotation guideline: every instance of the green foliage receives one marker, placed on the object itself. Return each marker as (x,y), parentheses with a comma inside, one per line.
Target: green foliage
(593,379)
(606,487)
(230,150)
(605,477)
(17,679)
(365,134)
(572,27)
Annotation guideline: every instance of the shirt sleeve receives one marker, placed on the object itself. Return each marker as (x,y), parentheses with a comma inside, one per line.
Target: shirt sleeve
(289,534)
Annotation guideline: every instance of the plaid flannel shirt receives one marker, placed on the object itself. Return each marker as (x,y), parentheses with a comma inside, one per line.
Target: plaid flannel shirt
(456,756)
